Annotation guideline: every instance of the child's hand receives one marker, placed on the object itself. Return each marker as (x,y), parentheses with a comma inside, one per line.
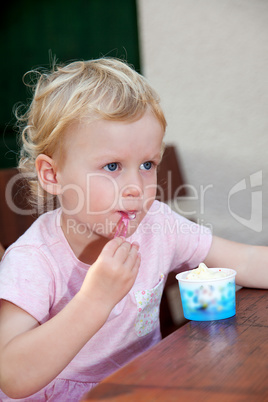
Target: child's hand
(113,274)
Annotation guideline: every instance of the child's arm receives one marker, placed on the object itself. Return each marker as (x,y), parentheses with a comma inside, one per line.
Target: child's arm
(250,262)
(32,355)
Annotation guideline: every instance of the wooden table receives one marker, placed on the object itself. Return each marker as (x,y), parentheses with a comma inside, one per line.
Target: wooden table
(224,360)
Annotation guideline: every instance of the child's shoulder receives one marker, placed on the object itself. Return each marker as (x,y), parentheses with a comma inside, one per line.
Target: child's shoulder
(159,208)
(161,211)
(44,230)
(35,247)
(164,221)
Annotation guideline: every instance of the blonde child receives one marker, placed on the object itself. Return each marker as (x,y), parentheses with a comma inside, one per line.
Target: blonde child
(78,300)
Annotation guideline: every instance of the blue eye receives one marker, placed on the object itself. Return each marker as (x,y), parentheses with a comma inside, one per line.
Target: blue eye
(146,165)
(111,167)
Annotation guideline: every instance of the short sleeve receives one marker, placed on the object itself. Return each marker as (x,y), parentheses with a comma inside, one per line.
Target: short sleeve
(26,280)
(183,244)
(193,242)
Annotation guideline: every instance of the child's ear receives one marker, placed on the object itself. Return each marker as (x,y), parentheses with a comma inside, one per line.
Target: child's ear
(47,175)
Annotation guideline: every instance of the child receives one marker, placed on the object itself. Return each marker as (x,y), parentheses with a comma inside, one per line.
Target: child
(78,300)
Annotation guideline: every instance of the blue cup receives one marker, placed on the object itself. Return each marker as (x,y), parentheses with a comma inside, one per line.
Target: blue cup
(208,299)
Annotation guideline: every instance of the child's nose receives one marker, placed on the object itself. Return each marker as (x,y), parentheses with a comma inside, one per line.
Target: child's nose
(132,186)
(132,190)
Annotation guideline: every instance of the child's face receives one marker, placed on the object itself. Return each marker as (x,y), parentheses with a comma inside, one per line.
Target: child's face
(109,167)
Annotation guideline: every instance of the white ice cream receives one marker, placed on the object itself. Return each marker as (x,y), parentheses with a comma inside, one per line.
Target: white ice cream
(203,273)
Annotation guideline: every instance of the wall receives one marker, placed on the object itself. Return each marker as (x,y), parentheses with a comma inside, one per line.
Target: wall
(209,62)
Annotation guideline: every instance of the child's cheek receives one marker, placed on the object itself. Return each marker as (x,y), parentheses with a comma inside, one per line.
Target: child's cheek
(72,199)
(149,196)
(102,193)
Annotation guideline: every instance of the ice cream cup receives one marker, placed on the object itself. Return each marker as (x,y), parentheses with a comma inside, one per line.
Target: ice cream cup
(208,299)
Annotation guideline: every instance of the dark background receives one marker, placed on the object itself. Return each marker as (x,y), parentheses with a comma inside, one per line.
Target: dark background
(35,32)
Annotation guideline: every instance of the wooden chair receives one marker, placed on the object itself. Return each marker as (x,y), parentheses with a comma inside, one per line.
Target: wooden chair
(170,179)
(2,250)
(14,208)
(170,176)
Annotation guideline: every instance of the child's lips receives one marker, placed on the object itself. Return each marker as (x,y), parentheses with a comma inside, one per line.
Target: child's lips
(128,214)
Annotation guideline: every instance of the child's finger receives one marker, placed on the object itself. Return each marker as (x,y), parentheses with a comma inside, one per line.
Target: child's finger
(122,251)
(137,264)
(111,247)
(136,244)
(132,257)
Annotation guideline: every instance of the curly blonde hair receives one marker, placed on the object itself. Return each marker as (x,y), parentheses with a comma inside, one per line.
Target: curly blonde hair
(105,88)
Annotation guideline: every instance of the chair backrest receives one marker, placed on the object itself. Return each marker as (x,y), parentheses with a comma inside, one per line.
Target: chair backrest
(15,218)
(170,176)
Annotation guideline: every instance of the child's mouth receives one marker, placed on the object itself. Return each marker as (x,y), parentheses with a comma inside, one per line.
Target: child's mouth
(121,229)
(130,215)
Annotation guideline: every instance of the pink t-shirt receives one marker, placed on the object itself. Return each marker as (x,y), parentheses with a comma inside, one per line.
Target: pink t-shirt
(41,274)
